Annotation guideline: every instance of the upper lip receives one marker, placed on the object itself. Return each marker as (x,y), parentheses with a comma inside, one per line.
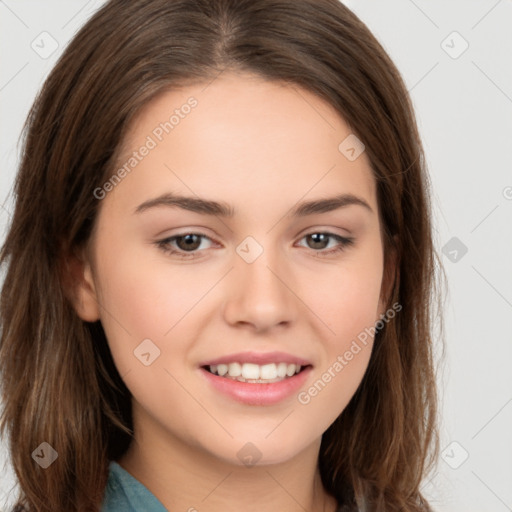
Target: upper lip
(259,358)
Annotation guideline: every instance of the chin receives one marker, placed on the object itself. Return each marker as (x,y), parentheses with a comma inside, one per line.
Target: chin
(261,451)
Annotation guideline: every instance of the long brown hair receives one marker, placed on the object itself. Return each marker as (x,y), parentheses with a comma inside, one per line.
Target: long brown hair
(58,380)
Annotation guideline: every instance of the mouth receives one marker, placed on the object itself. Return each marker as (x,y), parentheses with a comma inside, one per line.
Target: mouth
(257,378)
(253,373)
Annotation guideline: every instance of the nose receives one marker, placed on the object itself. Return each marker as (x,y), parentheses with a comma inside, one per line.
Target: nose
(260,295)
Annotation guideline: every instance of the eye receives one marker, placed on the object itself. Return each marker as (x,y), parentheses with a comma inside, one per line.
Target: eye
(185,243)
(320,241)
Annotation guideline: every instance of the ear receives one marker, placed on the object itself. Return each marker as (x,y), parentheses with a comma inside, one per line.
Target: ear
(390,273)
(79,287)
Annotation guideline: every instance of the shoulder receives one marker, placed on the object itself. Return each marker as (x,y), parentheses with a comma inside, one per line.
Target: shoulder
(124,493)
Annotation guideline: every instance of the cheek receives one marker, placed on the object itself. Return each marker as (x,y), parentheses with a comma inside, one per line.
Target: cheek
(347,300)
(346,296)
(351,315)
(150,300)
(147,296)
(141,299)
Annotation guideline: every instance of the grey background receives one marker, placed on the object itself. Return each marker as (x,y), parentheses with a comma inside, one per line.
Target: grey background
(464,109)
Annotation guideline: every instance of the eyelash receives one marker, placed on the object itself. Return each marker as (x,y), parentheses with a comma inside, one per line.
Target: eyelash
(164,245)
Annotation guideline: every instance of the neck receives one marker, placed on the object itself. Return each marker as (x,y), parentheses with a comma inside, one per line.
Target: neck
(184,477)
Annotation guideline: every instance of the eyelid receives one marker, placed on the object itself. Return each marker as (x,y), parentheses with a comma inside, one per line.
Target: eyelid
(344,242)
(326,230)
(165,242)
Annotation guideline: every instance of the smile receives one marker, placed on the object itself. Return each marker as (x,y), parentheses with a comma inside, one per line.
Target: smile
(254,373)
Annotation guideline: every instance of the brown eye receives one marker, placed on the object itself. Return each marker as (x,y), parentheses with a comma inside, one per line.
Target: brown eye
(188,242)
(319,242)
(185,245)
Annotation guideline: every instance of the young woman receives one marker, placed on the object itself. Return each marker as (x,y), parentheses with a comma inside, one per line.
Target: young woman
(219,272)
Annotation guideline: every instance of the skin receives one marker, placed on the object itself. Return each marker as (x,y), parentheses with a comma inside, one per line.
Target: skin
(260,147)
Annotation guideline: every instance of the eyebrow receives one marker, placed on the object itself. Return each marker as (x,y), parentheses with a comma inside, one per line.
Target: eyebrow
(222,209)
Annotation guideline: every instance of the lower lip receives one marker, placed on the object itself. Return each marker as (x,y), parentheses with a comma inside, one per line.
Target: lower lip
(258,394)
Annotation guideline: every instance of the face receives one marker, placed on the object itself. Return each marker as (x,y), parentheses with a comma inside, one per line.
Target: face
(252,281)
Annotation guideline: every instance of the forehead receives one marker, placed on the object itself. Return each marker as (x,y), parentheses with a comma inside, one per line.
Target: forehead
(241,132)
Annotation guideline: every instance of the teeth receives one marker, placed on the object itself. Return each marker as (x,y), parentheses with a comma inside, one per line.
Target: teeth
(290,370)
(268,371)
(250,372)
(222,369)
(281,370)
(234,370)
